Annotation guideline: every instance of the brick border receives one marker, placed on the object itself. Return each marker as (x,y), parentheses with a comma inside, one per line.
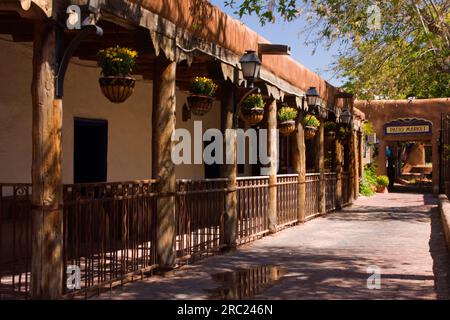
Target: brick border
(444,209)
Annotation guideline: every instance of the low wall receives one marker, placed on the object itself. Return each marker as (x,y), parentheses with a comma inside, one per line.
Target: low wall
(444,209)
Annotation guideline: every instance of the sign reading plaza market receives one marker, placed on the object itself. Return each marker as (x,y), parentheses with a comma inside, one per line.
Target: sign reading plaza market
(408,126)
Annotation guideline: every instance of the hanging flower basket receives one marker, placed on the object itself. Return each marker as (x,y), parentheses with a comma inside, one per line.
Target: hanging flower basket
(286,117)
(287,127)
(117,89)
(311,124)
(252,111)
(199,104)
(310,132)
(330,130)
(201,99)
(342,134)
(117,64)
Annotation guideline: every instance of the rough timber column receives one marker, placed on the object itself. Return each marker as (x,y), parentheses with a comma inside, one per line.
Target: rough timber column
(272,147)
(230,170)
(47,222)
(352,164)
(163,119)
(320,165)
(356,155)
(339,169)
(299,164)
(361,153)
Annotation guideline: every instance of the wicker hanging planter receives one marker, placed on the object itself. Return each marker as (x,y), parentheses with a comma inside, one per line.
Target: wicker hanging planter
(287,127)
(117,89)
(310,132)
(331,135)
(200,104)
(252,116)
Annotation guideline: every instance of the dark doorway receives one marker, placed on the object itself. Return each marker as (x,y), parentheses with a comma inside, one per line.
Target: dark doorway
(90,150)
(212,171)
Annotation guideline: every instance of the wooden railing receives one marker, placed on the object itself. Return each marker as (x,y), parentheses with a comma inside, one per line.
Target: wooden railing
(253,195)
(200,209)
(330,191)
(287,199)
(109,232)
(312,194)
(15,239)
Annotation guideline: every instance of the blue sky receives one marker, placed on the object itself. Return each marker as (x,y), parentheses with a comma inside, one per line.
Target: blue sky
(288,33)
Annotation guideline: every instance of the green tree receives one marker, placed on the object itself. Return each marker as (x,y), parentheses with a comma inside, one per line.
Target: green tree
(394,49)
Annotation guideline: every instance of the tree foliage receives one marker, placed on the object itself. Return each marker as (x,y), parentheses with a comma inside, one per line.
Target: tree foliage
(406,52)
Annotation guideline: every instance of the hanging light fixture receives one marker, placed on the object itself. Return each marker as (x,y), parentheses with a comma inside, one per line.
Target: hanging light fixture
(251,67)
(346,117)
(312,97)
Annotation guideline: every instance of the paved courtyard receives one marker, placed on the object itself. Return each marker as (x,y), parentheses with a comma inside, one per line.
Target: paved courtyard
(327,258)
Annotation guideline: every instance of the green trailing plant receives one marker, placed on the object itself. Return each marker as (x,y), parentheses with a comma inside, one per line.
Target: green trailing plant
(117,61)
(368,128)
(203,86)
(383,181)
(311,121)
(253,101)
(287,114)
(369,181)
(329,126)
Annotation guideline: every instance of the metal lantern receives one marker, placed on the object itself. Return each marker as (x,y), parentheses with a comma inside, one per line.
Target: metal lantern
(312,98)
(251,66)
(346,117)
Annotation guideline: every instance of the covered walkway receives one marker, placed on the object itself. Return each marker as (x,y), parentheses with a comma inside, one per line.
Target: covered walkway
(327,258)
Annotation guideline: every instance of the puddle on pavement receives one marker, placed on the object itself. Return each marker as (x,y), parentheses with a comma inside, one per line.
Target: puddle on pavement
(245,283)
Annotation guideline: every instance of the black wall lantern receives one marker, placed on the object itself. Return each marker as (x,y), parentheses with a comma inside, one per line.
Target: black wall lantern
(346,117)
(251,66)
(312,98)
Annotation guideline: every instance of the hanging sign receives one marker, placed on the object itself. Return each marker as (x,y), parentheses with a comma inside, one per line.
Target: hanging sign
(408,126)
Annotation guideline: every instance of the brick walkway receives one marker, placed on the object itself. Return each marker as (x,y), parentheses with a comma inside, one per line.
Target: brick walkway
(327,258)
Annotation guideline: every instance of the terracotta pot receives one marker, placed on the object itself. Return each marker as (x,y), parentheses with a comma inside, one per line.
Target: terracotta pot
(381,189)
(252,116)
(287,127)
(117,89)
(200,104)
(310,132)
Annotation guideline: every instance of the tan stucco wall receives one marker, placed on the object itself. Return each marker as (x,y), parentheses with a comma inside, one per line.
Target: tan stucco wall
(129,124)
(381,111)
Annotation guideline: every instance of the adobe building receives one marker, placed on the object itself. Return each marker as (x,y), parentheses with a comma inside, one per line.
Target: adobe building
(416,120)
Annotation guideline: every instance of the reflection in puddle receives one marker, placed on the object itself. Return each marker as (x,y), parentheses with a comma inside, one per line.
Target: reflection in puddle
(245,283)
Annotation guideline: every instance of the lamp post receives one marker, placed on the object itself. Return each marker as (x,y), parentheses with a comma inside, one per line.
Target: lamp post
(251,67)
(312,97)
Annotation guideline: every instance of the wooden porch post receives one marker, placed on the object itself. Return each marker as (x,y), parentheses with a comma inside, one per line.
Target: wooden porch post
(356,153)
(352,164)
(361,153)
(230,170)
(339,169)
(320,165)
(163,119)
(272,147)
(46,203)
(299,164)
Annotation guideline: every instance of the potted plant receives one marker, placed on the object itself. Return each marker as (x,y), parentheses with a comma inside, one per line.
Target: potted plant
(311,124)
(252,109)
(382,184)
(342,133)
(202,95)
(117,65)
(330,129)
(286,118)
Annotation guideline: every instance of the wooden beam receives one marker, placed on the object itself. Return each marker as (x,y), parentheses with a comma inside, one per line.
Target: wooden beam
(299,165)
(272,147)
(47,222)
(320,165)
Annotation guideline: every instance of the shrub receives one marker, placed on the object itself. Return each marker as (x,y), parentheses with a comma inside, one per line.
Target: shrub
(311,121)
(382,181)
(203,86)
(287,114)
(329,126)
(253,101)
(117,61)
(369,181)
